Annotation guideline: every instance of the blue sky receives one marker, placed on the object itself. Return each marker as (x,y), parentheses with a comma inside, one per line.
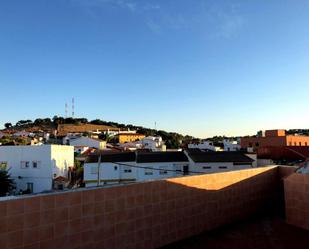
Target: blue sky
(194,66)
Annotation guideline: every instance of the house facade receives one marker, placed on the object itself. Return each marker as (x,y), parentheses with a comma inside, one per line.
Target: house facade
(33,168)
(88,142)
(115,168)
(221,161)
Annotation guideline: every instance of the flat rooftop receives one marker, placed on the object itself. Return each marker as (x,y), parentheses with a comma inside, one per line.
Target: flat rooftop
(260,232)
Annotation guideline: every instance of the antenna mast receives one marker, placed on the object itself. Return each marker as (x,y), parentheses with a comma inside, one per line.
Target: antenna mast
(73,107)
(66,110)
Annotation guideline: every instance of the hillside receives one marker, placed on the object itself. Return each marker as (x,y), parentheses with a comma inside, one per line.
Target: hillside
(172,139)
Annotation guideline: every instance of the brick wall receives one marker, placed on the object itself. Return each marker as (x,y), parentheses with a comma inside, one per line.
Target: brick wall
(144,215)
(296,188)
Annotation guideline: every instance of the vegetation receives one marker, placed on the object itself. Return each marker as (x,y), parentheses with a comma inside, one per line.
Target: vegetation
(173,140)
(6,183)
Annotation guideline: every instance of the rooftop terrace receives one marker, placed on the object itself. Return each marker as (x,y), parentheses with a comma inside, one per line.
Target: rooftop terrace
(239,209)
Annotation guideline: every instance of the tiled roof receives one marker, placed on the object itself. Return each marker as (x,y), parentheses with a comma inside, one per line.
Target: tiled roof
(219,156)
(152,157)
(112,157)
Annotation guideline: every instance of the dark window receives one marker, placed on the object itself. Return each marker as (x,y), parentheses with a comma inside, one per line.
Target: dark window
(241,163)
(115,168)
(207,167)
(222,167)
(257,144)
(299,143)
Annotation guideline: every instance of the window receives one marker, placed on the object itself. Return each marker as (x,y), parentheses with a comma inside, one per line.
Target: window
(163,170)
(3,165)
(222,167)
(241,164)
(35,164)
(24,164)
(306,144)
(299,143)
(148,172)
(257,144)
(295,143)
(115,168)
(207,167)
(127,169)
(290,143)
(30,187)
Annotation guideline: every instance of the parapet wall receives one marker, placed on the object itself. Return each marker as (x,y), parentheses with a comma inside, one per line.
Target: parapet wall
(144,215)
(296,188)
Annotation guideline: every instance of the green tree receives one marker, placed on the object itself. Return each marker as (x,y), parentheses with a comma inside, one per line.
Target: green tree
(6,183)
(8,125)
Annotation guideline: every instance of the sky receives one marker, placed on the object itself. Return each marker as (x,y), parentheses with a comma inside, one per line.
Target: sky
(198,67)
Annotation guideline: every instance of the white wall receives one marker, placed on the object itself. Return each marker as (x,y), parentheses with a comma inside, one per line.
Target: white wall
(204,145)
(50,159)
(88,142)
(216,167)
(112,173)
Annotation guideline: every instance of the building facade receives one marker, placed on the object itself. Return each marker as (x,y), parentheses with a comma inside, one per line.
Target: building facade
(33,168)
(88,142)
(124,167)
(274,138)
(129,137)
(215,162)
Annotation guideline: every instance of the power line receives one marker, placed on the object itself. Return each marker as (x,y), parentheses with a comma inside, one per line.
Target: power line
(145,167)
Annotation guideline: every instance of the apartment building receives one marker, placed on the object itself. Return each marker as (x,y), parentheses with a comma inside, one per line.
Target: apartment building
(273,138)
(33,168)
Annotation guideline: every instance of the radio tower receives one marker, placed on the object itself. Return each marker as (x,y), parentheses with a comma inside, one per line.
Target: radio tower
(66,110)
(73,107)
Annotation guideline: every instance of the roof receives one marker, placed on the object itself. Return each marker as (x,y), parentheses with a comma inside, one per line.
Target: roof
(63,129)
(130,134)
(112,157)
(152,157)
(219,156)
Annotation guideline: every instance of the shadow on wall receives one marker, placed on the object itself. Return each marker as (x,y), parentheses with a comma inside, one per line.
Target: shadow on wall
(143,215)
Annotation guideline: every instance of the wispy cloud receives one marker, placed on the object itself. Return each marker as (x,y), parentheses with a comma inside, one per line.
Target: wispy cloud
(218,20)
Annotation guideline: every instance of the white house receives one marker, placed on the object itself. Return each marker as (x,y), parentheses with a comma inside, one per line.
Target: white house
(231,145)
(88,142)
(153,143)
(204,145)
(220,161)
(33,168)
(122,167)
(112,169)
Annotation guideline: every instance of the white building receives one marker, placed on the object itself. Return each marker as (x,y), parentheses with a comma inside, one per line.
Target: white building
(110,172)
(87,142)
(204,145)
(153,143)
(215,162)
(34,167)
(122,167)
(231,145)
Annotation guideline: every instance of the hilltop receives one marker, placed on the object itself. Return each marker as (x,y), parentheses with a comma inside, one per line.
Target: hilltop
(61,124)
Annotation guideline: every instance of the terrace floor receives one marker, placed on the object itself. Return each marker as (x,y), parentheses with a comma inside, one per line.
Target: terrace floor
(255,233)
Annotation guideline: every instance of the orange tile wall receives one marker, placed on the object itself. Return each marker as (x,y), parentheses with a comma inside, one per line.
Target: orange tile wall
(296,188)
(144,215)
